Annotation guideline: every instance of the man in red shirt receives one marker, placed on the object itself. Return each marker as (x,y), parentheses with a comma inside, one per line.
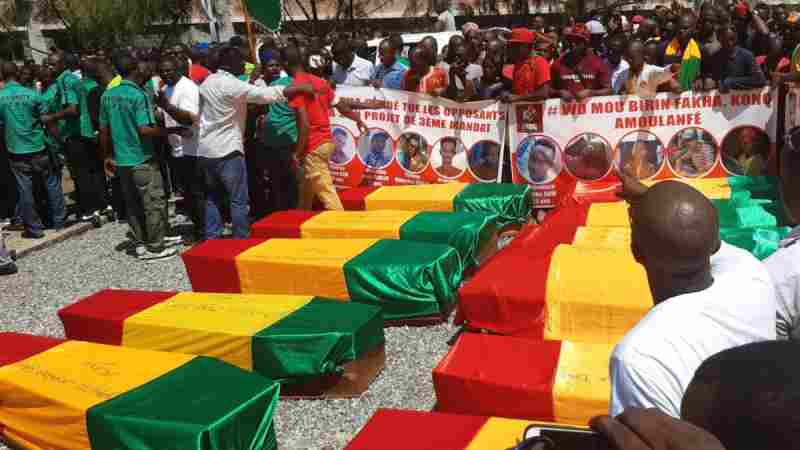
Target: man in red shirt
(580,74)
(314,141)
(531,80)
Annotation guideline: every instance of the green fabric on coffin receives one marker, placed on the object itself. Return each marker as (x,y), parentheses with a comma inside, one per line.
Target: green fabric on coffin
(753,187)
(436,271)
(467,232)
(210,405)
(511,202)
(761,242)
(753,213)
(288,351)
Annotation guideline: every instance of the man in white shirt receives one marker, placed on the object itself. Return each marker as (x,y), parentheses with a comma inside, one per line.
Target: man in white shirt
(223,110)
(703,304)
(179,100)
(784,265)
(615,49)
(349,69)
(640,78)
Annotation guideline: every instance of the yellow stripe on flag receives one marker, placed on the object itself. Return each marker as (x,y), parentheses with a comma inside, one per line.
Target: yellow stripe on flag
(594,295)
(582,388)
(356,224)
(423,197)
(216,325)
(603,237)
(54,389)
(608,215)
(299,266)
(713,188)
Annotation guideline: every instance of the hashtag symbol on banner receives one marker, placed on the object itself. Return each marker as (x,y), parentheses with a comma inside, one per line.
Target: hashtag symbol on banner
(552,111)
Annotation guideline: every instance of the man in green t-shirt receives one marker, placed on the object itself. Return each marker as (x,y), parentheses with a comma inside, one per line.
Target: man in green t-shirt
(127,127)
(94,196)
(21,110)
(79,153)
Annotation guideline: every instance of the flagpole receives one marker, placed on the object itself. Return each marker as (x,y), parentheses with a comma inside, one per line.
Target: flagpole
(251,40)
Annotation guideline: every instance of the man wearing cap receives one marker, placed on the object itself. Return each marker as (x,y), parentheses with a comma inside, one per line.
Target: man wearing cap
(531,80)
(580,74)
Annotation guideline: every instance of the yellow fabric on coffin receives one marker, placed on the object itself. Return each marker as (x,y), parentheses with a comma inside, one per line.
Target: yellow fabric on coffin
(380,224)
(299,266)
(217,325)
(422,197)
(594,295)
(608,215)
(58,386)
(582,388)
(714,188)
(603,237)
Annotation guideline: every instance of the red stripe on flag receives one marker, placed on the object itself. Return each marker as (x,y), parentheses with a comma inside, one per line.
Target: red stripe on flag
(283,224)
(392,429)
(355,199)
(498,376)
(100,317)
(14,347)
(210,267)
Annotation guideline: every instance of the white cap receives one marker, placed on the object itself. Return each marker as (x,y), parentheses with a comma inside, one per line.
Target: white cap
(595,27)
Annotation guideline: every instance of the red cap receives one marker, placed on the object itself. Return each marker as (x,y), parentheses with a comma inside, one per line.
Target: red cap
(741,9)
(578,31)
(637,19)
(522,36)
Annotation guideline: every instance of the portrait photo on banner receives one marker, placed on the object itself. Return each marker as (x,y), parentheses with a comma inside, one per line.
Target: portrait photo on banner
(448,158)
(538,159)
(484,160)
(413,152)
(745,151)
(588,157)
(375,149)
(692,152)
(640,153)
(345,146)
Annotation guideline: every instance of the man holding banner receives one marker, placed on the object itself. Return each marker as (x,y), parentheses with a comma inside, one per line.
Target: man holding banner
(531,72)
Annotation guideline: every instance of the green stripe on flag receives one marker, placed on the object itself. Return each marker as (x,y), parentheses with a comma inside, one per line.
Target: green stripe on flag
(746,214)
(760,242)
(690,65)
(316,339)
(511,202)
(467,232)
(203,405)
(406,278)
(761,187)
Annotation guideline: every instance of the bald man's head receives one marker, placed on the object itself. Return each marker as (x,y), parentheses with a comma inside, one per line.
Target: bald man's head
(674,229)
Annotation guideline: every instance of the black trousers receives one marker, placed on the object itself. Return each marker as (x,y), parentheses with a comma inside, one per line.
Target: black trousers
(86,168)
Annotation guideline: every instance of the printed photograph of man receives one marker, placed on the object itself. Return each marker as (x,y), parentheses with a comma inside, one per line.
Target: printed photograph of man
(375,149)
(588,157)
(412,152)
(745,151)
(538,160)
(484,160)
(449,161)
(345,146)
(692,152)
(640,153)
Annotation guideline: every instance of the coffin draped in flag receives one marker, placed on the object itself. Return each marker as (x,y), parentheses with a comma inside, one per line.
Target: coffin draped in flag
(78,395)
(511,202)
(406,279)
(470,233)
(503,376)
(388,430)
(291,339)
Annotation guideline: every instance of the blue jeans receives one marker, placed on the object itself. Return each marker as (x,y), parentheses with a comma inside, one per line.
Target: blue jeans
(28,170)
(226,178)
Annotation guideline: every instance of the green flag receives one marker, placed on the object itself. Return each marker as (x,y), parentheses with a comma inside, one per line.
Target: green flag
(266,12)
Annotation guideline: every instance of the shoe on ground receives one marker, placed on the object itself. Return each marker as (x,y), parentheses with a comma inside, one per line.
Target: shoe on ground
(150,256)
(30,234)
(7,268)
(87,218)
(173,240)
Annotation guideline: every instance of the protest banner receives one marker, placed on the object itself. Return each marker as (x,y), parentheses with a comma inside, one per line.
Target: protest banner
(695,135)
(417,139)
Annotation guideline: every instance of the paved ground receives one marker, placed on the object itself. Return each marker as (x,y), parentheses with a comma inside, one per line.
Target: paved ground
(79,266)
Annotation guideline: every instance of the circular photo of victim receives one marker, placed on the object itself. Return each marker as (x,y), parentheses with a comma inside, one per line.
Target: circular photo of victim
(413,152)
(538,159)
(344,146)
(448,157)
(745,151)
(692,152)
(588,157)
(484,160)
(375,148)
(640,154)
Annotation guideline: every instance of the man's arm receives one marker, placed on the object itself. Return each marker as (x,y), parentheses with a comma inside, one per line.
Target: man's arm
(754,79)
(270,94)
(303,130)
(346,111)
(185,117)
(71,97)
(541,93)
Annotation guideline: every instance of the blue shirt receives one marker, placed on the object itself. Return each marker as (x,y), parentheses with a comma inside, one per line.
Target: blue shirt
(392,76)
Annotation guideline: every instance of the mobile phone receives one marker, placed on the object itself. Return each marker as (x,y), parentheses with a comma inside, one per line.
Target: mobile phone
(570,438)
